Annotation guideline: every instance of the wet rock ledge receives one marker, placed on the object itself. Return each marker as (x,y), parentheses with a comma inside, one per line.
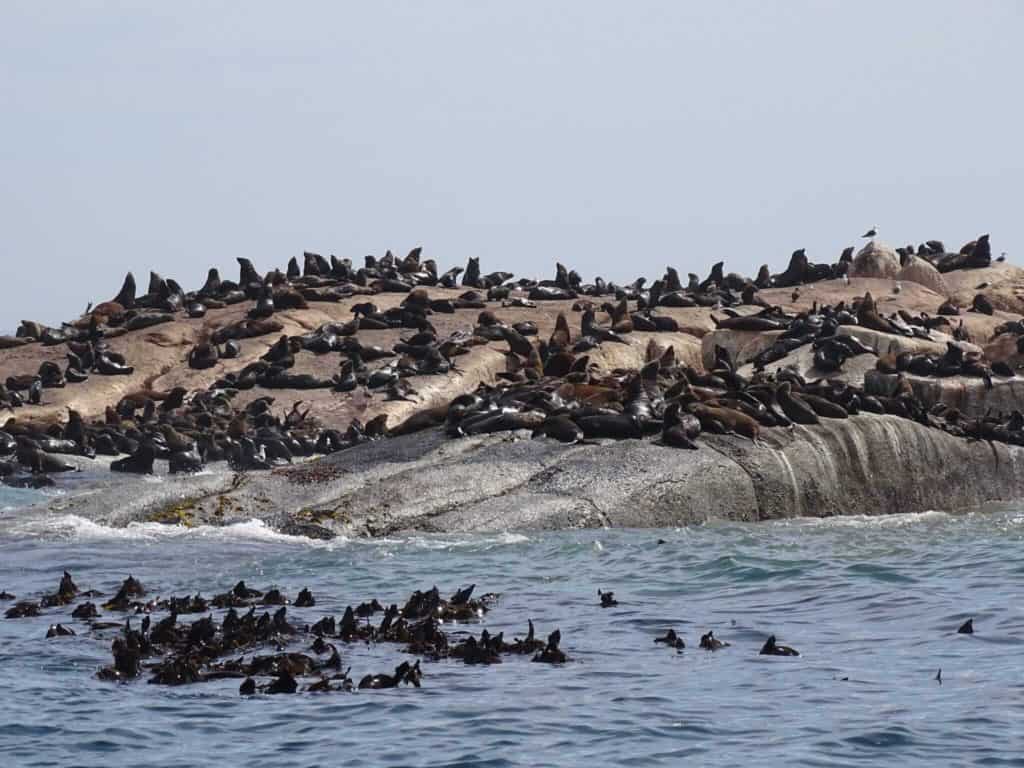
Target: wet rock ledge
(866,465)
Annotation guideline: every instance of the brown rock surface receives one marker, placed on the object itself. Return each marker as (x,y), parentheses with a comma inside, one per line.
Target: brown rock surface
(875,260)
(917,270)
(159,356)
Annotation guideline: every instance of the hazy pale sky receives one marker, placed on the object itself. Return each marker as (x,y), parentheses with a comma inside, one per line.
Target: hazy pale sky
(616,137)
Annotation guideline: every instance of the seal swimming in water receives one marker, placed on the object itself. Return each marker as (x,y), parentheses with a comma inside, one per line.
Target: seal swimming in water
(672,640)
(771,648)
(552,653)
(711,643)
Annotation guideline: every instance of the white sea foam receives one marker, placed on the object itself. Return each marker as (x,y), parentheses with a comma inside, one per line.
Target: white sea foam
(70,526)
(81,528)
(480,541)
(865,521)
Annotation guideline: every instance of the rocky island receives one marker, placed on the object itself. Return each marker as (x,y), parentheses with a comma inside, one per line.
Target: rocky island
(329,398)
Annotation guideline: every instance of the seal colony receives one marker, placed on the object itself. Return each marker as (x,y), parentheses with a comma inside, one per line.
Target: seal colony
(230,371)
(236,628)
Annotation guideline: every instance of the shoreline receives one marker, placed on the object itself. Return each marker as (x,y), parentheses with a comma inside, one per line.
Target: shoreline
(865,465)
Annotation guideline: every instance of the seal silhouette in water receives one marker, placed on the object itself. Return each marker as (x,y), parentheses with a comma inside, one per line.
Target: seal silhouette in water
(711,643)
(771,648)
(461,597)
(285,683)
(607,599)
(59,630)
(672,640)
(552,654)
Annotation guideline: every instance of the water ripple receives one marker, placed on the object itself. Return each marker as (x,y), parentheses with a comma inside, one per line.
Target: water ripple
(872,603)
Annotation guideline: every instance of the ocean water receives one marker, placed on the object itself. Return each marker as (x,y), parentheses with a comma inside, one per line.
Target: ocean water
(872,604)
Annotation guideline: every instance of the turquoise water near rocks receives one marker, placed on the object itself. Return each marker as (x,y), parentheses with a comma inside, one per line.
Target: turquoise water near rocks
(873,605)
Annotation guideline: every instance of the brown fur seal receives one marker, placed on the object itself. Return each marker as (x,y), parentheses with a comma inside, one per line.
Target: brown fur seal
(796,409)
(730,418)
(867,315)
(428,417)
(824,407)
(561,337)
(771,648)
(561,428)
(749,323)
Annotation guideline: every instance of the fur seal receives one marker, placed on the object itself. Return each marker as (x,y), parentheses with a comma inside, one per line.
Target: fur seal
(140,462)
(203,355)
(561,428)
(764,278)
(561,337)
(771,648)
(22,609)
(711,643)
(679,429)
(867,315)
(187,461)
(982,305)
(126,296)
(552,653)
(404,673)
(59,630)
(38,461)
(796,271)
(824,407)
(212,286)
(717,417)
(748,323)
(672,640)
(247,274)
(795,409)
(471,275)
(618,426)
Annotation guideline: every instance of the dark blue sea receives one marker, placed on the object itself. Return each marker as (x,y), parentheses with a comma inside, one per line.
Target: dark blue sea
(871,603)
